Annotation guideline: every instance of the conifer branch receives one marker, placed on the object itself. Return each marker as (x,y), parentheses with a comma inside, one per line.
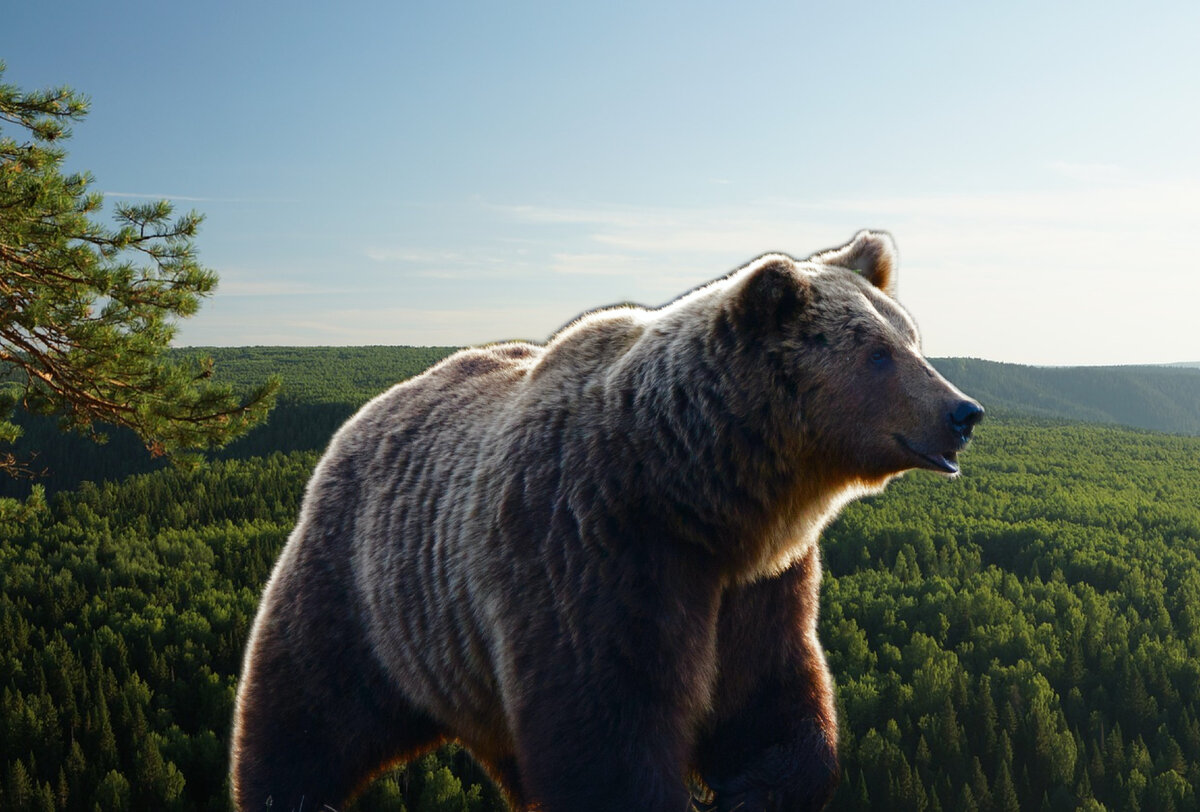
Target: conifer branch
(84,327)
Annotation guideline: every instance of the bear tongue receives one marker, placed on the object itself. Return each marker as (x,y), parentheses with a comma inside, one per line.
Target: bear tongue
(946,461)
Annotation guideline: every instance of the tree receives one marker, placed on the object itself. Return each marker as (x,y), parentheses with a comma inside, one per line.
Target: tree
(87,311)
(1004,793)
(113,792)
(20,788)
(443,792)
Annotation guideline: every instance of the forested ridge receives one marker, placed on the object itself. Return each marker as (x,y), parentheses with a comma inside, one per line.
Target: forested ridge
(322,386)
(1162,398)
(1025,636)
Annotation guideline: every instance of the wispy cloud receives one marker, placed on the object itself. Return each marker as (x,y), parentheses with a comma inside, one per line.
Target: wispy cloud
(408,255)
(510,261)
(189,198)
(599,264)
(197,199)
(433,326)
(1072,273)
(1091,173)
(1093,269)
(1074,225)
(236,287)
(681,232)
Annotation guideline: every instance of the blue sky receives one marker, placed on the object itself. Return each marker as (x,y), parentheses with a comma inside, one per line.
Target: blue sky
(453,173)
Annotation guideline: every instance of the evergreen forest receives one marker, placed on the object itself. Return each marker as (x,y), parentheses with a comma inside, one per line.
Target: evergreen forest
(1023,637)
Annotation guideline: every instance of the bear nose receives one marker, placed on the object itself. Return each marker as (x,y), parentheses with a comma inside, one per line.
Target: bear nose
(964,416)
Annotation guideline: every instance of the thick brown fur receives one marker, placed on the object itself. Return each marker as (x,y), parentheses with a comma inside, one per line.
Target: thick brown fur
(595,562)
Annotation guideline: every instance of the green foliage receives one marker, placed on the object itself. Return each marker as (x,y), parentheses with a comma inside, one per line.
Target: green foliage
(1030,628)
(87,311)
(322,386)
(341,375)
(444,781)
(124,610)
(1024,636)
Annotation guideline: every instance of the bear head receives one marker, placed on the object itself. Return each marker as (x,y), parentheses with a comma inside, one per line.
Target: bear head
(845,360)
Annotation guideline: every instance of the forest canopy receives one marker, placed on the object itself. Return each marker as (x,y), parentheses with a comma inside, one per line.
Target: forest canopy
(322,386)
(1025,636)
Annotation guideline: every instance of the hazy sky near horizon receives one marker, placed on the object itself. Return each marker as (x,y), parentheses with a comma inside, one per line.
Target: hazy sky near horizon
(455,173)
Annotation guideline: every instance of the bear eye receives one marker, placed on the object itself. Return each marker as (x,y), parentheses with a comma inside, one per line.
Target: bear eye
(880,357)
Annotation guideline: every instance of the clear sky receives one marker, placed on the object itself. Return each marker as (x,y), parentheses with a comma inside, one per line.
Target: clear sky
(462,172)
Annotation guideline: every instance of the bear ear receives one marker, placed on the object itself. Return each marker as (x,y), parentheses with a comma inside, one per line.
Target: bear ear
(871,253)
(773,291)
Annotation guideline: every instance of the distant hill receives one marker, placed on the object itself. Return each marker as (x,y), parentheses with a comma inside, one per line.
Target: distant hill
(1160,398)
(322,386)
(321,374)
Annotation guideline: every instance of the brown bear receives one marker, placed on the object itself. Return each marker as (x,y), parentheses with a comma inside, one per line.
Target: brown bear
(595,562)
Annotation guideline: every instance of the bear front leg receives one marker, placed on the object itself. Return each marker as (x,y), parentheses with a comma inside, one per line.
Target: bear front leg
(609,724)
(315,716)
(772,743)
(583,762)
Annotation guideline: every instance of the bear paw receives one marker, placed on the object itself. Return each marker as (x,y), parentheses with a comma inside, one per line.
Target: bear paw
(797,775)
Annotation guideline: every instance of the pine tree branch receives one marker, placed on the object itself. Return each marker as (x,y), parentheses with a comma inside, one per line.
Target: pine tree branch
(86,311)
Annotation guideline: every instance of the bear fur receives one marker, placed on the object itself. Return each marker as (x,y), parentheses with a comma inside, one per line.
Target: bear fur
(595,562)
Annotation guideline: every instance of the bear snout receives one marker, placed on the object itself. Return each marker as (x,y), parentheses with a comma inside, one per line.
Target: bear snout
(937,449)
(963,416)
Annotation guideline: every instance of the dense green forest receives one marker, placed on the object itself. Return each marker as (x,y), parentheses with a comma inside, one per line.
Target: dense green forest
(1162,398)
(1026,636)
(322,386)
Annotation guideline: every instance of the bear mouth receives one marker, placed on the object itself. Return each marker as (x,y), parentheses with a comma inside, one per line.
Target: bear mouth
(945,462)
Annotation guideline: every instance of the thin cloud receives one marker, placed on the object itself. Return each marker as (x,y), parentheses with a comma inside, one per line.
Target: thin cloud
(417,256)
(441,264)
(1091,173)
(731,234)
(1055,275)
(196,199)
(189,198)
(433,326)
(1074,225)
(274,288)
(1052,276)
(617,216)
(597,264)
